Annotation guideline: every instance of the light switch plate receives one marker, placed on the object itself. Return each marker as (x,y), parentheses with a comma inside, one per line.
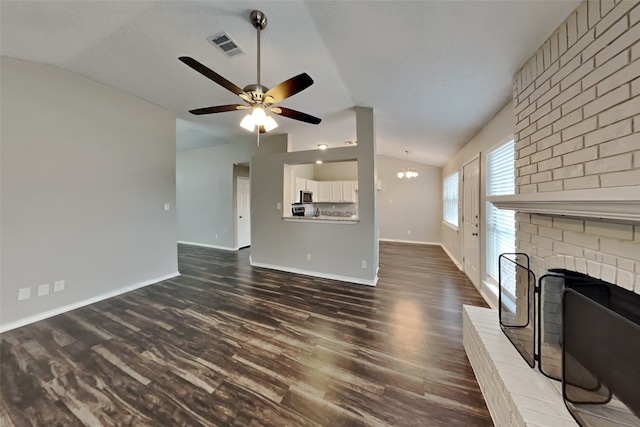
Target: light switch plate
(24,293)
(167,206)
(43,289)
(58,286)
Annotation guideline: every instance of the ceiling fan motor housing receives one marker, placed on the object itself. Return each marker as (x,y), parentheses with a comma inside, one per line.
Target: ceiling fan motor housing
(258,19)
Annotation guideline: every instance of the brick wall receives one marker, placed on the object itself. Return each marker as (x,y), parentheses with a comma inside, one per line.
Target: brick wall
(577,105)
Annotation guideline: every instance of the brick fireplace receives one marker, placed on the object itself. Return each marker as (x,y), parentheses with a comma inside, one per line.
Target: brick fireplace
(577,143)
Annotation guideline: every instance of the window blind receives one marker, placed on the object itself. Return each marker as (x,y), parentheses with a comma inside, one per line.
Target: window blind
(501,229)
(450,199)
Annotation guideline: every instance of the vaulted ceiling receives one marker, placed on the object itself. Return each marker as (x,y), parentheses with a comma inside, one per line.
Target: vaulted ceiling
(434,71)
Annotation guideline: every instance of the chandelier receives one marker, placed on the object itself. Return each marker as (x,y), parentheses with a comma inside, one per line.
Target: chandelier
(407,172)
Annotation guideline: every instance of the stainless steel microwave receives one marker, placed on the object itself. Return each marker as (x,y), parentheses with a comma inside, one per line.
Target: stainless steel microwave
(306,196)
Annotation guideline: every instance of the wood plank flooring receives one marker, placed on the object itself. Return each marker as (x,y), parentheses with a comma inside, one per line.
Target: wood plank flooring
(226,344)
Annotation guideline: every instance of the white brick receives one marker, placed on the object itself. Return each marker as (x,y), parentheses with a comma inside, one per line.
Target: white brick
(634,16)
(621,43)
(581,265)
(609,229)
(629,108)
(545,221)
(609,164)
(572,171)
(523,180)
(566,95)
(548,96)
(551,233)
(567,120)
(608,133)
(542,241)
(570,262)
(626,264)
(543,252)
(623,76)
(591,181)
(577,48)
(620,179)
(609,259)
(580,128)
(528,170)
(627,144)
(593,269)
(572,29)
(581,239)
(593,12)
(523,124)
(549,141)
(562,38)
(542,133)
(580,156)
(587,96)
(625,280)
(528,228)
(604,102)
(551,117)
(621,249)
(541,155)
(568,146)
(528,189)
(604,39)
(538,92)
(550,186)
(569,224)
(541,177)
(527,151)
(583,25)
(606,6)
(608,273)
(528,130)
(552,163)
(636,160)
(577,74)
(636,235)
(567,249)
(635,87)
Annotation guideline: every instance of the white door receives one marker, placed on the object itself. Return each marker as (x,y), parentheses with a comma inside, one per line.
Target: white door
(336,191)
(471,220)
(243,205)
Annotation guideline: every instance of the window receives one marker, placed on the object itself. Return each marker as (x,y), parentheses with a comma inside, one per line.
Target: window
(450,200)
(501,231)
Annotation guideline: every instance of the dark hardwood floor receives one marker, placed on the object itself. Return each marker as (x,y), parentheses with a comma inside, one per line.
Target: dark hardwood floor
(226,344)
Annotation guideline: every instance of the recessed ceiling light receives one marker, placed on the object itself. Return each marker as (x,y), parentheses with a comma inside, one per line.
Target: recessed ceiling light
(318,162)
(323,146)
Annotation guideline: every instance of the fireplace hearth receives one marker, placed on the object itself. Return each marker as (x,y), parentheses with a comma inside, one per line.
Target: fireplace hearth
(580,330)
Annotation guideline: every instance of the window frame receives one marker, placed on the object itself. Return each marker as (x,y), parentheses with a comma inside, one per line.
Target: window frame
(451,201)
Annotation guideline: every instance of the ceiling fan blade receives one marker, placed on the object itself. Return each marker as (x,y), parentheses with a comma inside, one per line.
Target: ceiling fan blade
(218,109)
(289,87)
(207,72)
(296,115)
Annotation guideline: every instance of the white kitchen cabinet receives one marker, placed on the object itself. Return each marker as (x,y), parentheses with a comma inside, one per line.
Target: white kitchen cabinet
(324,191)
(337,191)
(349,191)
(300,185)
(313,187)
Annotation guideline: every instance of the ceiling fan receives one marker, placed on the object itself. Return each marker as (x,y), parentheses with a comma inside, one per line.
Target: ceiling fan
(260,99)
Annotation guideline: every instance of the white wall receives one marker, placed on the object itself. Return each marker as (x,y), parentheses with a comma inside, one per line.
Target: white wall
(86,171)
(409,204)
(500,129)
(337,249)
(206,189)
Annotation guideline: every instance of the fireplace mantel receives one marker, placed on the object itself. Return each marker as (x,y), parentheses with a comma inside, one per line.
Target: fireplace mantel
(618,203)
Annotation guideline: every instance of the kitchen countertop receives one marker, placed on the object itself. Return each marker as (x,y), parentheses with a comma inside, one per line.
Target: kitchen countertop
(325,219)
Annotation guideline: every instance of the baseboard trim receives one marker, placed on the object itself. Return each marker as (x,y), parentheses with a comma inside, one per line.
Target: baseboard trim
(64,309)
(204,245)
(455,261)
(410,241)
(359,281)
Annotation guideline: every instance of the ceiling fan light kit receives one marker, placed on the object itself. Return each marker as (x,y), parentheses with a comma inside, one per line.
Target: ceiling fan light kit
(260,99)
(407,172)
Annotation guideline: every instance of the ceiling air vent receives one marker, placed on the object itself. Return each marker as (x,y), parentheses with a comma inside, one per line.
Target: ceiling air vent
(224,42)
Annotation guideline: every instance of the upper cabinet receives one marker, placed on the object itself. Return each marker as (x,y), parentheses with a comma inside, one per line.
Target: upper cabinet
(336,191)
(324,191)
(349,191)
(313,187)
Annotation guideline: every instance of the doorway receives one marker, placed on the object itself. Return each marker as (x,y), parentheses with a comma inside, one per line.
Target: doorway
(243,209)
(471,220)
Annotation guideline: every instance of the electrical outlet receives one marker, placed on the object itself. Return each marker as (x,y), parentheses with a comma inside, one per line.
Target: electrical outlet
(278,206)
(167,206)
(58,286)
(308,257)
(43,289)
(363,264)
(24,293)
(408,231)
(216,237)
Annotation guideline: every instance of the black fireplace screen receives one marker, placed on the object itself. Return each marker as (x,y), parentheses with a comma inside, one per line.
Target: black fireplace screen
(583,331)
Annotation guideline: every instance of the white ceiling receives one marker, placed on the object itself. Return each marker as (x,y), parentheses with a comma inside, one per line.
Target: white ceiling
(434,71)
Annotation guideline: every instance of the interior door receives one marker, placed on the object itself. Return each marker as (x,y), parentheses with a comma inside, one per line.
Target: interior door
(243,205)
(471,220)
